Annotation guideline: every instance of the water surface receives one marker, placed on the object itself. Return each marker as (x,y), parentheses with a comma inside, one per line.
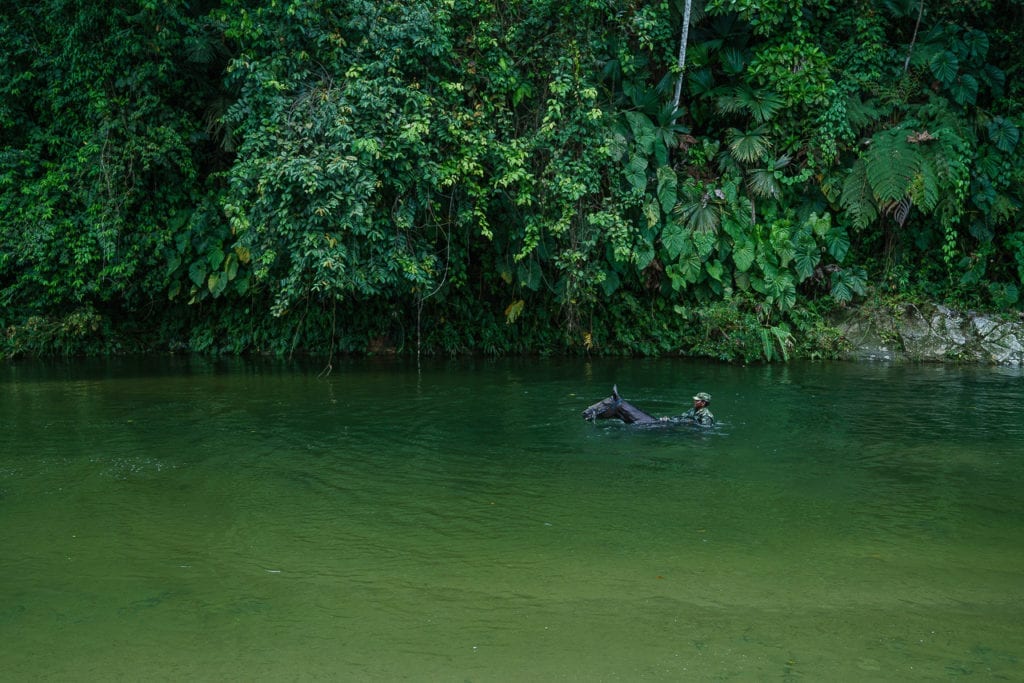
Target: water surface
(200,520)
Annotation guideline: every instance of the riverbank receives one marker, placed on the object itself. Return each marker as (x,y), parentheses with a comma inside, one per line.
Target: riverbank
(929,332)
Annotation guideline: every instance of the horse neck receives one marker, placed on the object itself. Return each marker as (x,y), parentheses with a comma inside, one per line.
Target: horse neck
(630,414)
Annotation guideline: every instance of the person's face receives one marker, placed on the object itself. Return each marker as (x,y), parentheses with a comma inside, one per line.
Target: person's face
(697,403)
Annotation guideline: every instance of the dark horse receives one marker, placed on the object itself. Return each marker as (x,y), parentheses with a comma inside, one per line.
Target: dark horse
(615,407)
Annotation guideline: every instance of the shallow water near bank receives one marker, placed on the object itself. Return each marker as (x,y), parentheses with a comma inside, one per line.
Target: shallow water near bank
(249,520)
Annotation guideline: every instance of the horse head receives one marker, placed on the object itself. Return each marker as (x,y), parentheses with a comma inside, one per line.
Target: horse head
(605,409)
(615,408)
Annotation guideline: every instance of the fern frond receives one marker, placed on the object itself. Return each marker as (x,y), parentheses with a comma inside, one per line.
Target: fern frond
(857,197)
(891,165)
(924,191)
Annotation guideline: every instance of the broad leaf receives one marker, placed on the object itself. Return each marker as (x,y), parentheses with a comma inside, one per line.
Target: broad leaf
(197,272)
(636,171)
(965,89)
(667,184)
(807,257)
(944,66)
(643,130)
(675,239)
(837,242)
(216,283)
(743,253)
(1003,133)
(705,243)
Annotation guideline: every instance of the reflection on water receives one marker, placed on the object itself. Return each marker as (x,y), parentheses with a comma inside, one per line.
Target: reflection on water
(459,521)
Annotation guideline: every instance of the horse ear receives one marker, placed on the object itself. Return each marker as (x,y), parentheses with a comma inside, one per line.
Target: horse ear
(615,391)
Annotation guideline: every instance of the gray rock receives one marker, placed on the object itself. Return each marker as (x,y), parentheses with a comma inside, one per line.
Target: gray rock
(931,333)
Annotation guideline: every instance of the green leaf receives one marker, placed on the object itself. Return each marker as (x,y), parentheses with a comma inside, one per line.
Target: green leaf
(819,224)
(1003,133)
(667,188)
(705,243)
(743,253)
(173,262)
(837,242)
(197,272)
(857,197)
(714,269)
(977,42)
(675,239)
(965,89)
(231,267)
(215,257)
(643,129)
(636,171)
(618,145)
(610,283)
(216,283)
(644,254)
(750,146)
(690,267)
(891,164)
(944,66)
(808,255)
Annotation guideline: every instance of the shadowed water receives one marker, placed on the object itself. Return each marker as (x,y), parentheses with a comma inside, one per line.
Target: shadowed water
(196,520)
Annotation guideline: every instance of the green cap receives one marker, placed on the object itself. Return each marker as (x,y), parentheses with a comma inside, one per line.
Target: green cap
(703,396)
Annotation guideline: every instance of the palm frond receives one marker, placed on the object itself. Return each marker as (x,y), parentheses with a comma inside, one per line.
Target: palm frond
(749,147)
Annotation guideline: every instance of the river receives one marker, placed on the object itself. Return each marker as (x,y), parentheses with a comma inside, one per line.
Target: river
(231,520)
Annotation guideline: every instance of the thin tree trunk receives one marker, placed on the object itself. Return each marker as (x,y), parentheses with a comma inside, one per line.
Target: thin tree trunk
(682,56)
(920,11)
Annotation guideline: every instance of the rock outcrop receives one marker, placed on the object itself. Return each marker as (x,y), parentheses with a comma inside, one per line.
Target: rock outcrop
(932,332)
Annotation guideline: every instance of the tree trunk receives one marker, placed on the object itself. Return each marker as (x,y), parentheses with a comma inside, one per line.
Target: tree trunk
(682,56)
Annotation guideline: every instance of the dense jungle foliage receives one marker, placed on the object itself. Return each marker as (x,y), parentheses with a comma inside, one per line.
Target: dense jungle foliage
(513,176)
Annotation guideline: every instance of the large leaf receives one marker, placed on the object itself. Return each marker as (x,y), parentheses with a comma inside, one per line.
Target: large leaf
(636,171)
(705,243)
(699,216)
(837,242)
(610,283)
(197,272)
(847,282)
(643,130)
(743,253)
(1003,133)
(977,42)
(965,89)
(216,283)
(806,259)
(644,254)
(667,188)
(675,239)
(750,146)
(944,66)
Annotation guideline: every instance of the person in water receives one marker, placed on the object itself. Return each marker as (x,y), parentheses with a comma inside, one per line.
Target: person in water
(699,413)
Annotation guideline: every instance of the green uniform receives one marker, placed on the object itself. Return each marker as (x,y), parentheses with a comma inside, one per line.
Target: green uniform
(701,416)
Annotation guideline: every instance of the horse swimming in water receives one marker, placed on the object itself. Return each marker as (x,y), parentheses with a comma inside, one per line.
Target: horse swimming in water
(617,408)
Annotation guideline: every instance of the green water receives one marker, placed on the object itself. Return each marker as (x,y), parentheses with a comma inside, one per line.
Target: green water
(459,521)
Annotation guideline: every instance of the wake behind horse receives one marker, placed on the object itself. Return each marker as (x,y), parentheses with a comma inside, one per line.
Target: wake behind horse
(617,408)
